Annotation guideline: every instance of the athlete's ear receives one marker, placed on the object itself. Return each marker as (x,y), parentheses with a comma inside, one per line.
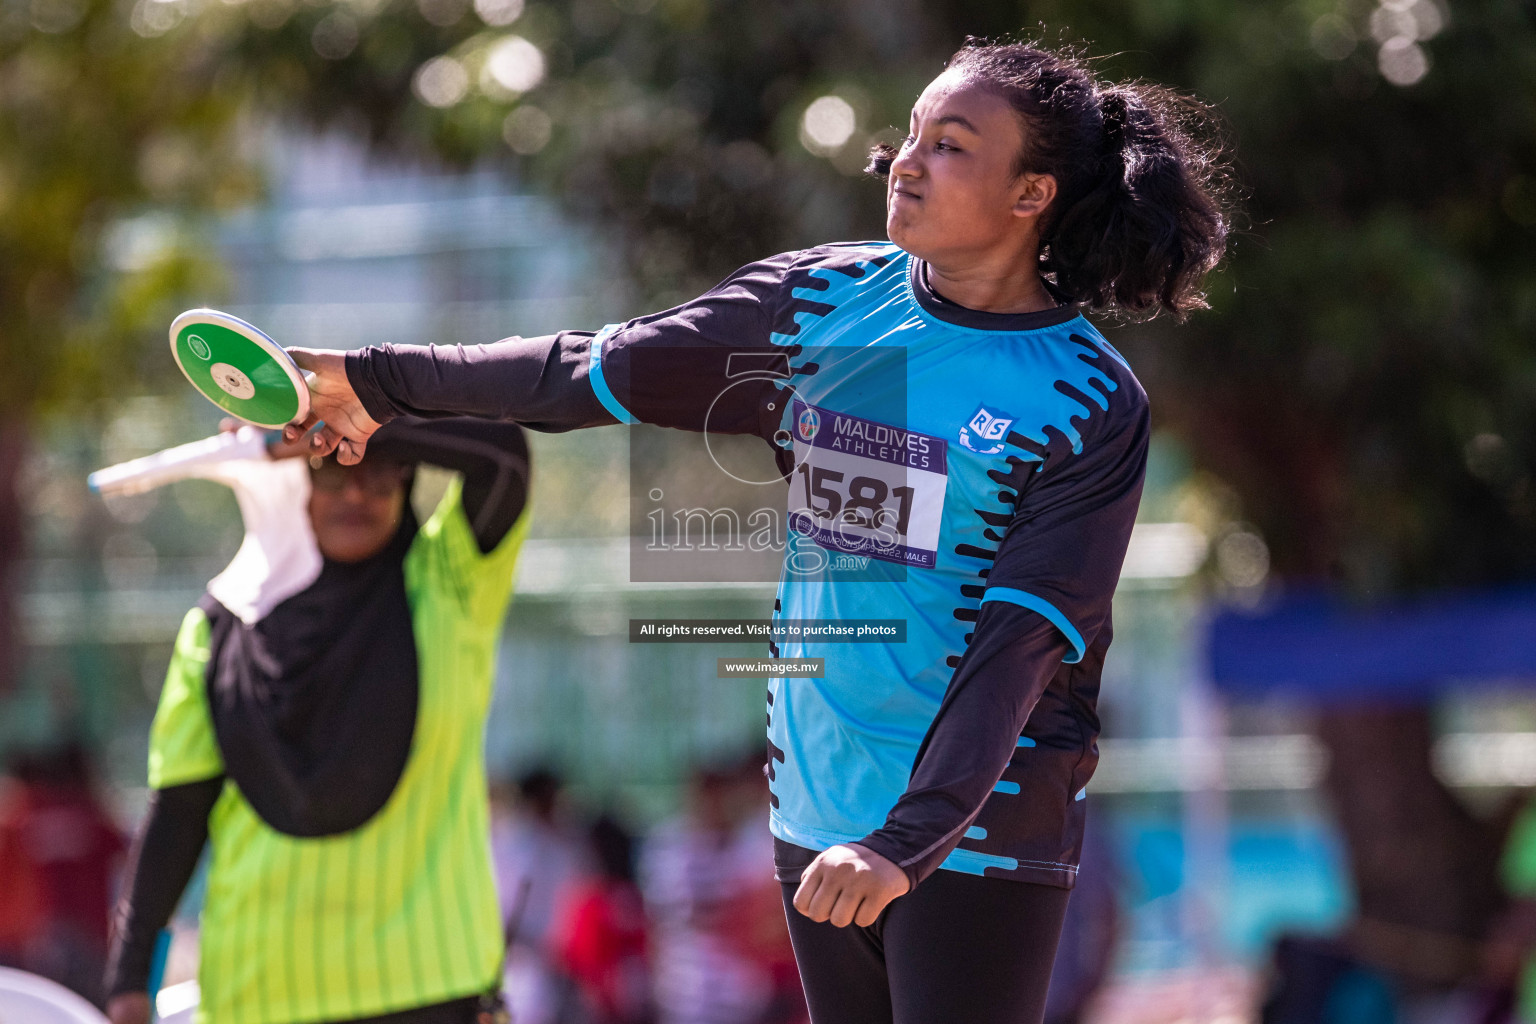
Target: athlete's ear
(1035,192)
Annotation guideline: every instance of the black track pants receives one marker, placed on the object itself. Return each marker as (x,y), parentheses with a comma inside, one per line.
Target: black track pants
(959,949)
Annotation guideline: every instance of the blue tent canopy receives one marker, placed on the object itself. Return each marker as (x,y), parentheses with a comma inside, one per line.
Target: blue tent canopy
(1322,648)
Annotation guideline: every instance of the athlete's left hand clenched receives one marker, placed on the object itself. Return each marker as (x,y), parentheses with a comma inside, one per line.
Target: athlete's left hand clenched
(849,885)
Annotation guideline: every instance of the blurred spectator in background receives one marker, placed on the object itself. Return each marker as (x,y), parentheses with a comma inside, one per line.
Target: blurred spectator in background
(21,911)
(60,852)
(753,920)
(600,935)
(1510,957)
(1090,933)
(1420,976)
(721,950)
(1322,980)
(537,861)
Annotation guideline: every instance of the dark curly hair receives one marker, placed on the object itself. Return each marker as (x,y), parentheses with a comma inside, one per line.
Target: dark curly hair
(1142,208)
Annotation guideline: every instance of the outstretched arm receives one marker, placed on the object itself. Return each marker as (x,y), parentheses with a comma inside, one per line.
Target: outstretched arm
(542,382)
(667,368)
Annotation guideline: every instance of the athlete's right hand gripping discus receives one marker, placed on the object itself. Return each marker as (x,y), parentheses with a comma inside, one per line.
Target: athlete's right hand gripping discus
(239,369)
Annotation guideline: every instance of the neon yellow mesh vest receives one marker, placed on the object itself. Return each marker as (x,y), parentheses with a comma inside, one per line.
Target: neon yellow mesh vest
(401,912)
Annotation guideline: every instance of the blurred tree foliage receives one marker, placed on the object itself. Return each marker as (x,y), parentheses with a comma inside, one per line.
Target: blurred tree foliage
(1365,383)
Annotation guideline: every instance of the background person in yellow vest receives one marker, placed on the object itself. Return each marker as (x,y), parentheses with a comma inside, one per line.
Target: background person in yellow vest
(321,729)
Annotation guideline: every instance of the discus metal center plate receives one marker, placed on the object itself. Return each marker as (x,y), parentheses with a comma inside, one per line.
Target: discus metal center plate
(231,381)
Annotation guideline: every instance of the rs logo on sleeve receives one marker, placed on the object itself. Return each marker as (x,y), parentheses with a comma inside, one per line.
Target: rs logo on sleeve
(985,432)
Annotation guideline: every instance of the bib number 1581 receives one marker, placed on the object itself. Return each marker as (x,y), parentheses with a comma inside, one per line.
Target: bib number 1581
(867,488)
(860,503)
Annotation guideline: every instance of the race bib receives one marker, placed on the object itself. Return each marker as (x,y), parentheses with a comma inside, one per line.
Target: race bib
(867,488)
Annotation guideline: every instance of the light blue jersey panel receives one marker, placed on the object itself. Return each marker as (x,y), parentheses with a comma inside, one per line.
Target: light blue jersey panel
(916,411)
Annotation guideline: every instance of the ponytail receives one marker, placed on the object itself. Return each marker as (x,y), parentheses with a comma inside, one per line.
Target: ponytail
(1140,214)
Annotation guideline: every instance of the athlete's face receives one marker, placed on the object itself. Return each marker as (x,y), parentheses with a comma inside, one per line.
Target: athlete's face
(954,192)
(355,510)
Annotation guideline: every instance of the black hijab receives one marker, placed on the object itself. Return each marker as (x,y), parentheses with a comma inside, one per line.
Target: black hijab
(314,706)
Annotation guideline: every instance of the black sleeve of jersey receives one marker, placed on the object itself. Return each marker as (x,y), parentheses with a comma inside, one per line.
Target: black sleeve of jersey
(1012,657)
(163,859)
(493,457)
(1066,540)
(538,382)
(670,368)
(666,368)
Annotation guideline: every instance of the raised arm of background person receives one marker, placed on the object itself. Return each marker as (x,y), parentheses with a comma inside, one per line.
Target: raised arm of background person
(492,457)
(164,856)
(665,369)
(1044,612)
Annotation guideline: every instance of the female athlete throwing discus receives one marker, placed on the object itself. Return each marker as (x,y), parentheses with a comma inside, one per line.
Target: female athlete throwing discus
(944,409)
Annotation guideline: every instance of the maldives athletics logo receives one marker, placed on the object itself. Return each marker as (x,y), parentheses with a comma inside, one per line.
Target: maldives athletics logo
(984,432)
(808,423)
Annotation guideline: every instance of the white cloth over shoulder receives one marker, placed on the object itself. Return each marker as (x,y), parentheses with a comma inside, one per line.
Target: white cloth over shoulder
(279,555)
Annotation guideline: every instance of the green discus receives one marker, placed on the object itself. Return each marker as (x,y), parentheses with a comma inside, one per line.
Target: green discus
(239,369)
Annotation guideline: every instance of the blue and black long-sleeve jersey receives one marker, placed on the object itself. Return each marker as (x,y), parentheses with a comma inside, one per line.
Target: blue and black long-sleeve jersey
(974,474)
